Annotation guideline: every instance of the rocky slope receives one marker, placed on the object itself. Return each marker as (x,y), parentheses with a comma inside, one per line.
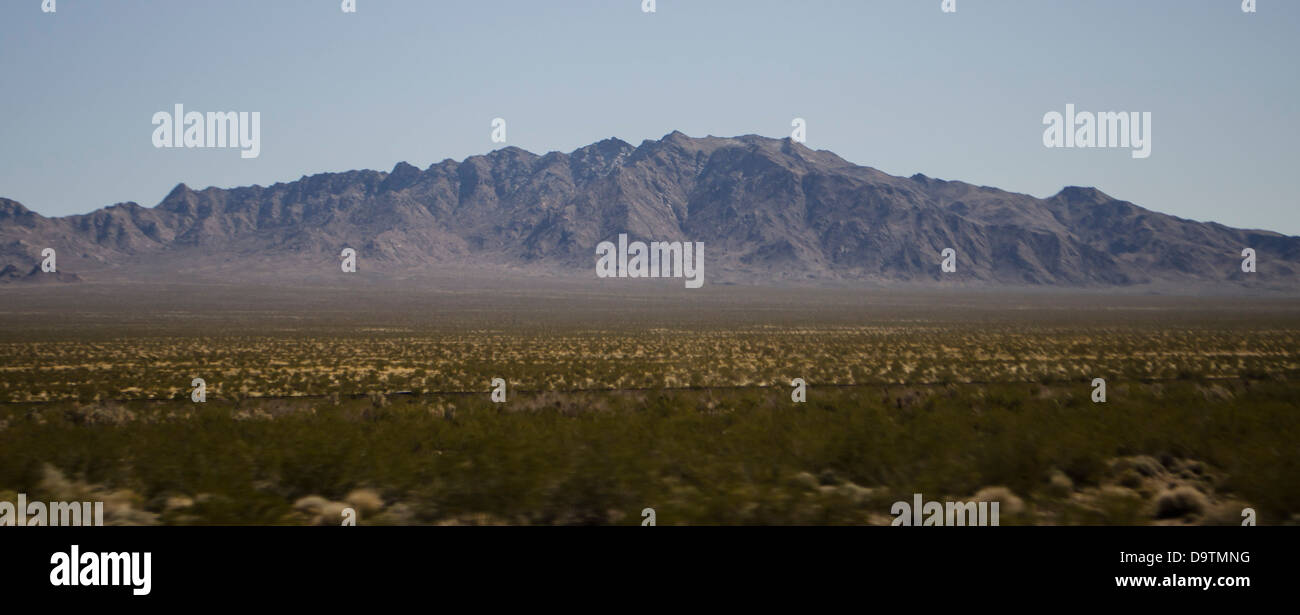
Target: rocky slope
(767,210)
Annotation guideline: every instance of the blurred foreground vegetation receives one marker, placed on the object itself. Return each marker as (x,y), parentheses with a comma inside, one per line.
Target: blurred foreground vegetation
(1177,452)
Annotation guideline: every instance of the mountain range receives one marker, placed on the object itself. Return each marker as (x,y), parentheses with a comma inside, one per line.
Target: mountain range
(768,211)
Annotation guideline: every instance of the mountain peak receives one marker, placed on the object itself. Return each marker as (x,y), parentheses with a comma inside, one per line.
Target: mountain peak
(677,138)
(606,146)
(513,150)
(402,176)
(613,142)
(10,208)
(1082,194)
(180,200)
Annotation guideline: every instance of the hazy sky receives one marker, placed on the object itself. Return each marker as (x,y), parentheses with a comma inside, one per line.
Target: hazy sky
(893,84)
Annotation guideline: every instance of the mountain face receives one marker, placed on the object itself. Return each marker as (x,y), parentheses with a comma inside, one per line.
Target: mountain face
(766,210)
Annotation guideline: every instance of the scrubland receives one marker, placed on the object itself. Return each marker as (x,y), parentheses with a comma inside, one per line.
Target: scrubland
(683,406)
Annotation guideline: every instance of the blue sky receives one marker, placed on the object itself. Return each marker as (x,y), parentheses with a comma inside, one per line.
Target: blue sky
(893,84)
